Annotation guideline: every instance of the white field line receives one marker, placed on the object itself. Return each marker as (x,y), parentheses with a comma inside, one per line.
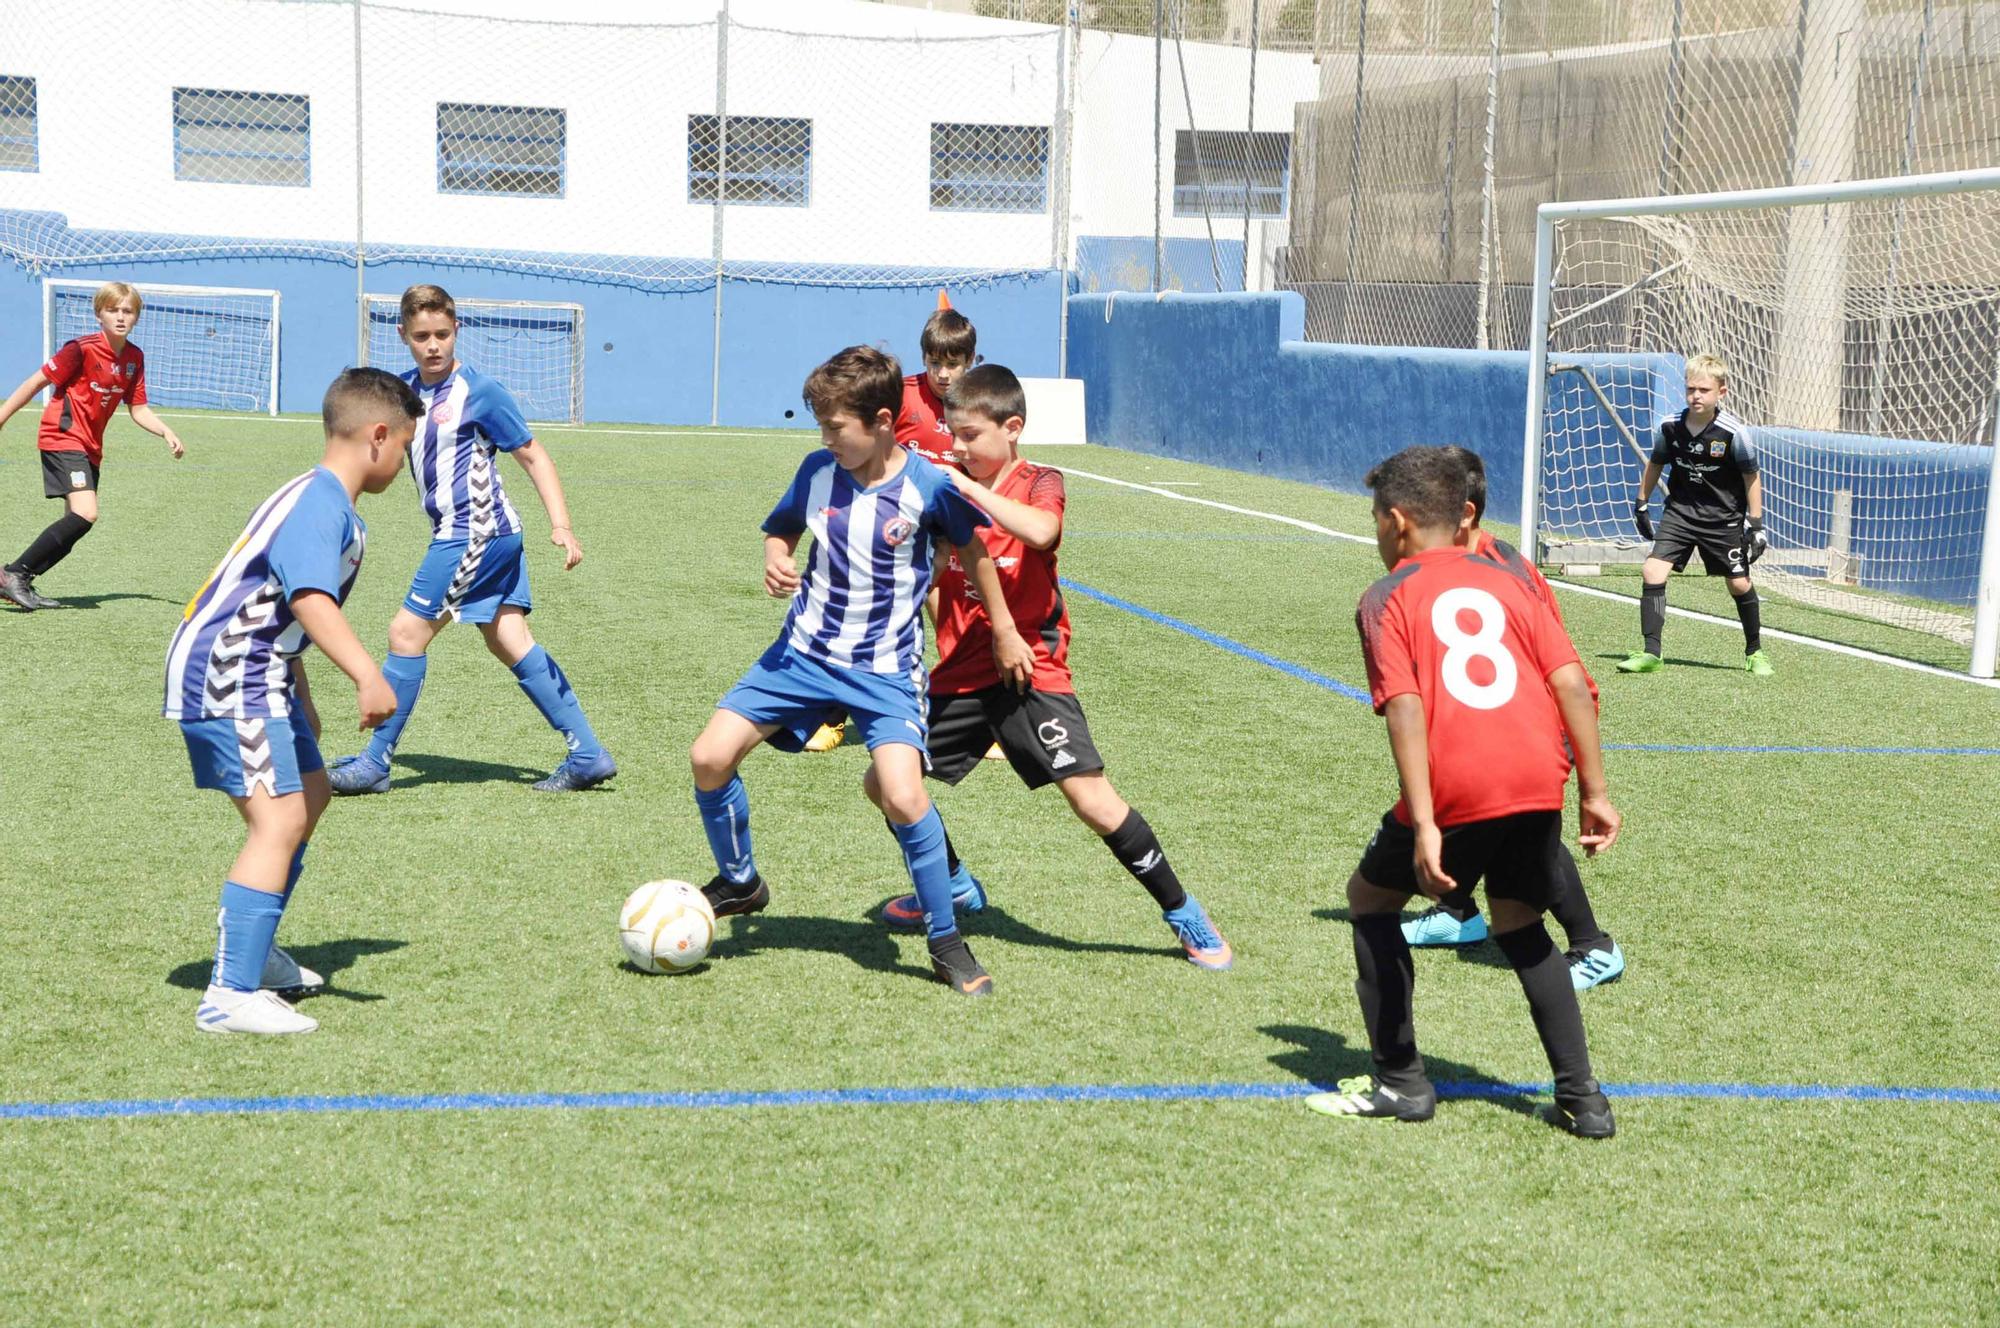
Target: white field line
(1832,647)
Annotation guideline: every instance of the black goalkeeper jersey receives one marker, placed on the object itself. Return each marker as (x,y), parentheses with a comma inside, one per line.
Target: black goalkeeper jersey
(1706,471)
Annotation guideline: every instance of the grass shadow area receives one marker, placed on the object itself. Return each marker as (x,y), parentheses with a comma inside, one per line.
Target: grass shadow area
(327,958)
(458,770)
(1322,1057)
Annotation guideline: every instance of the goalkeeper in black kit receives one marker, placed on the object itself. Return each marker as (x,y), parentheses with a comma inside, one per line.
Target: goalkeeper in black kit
(1715,505)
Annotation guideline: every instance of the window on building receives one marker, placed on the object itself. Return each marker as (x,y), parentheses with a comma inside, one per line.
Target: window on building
(513,150)
(242,137)
(767,160)
(18,150)
(989,168)
(1212,161)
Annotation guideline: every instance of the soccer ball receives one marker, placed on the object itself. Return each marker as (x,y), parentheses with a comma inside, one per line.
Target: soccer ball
(666,927)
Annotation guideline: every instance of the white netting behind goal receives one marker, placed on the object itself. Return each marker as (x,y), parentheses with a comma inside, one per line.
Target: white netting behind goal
(206,347)
(1863,340)
(534,348)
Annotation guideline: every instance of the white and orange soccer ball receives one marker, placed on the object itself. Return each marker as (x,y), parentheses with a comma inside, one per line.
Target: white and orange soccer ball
(666,926)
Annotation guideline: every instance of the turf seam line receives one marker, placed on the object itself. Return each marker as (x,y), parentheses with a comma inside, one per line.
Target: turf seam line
(313,1104)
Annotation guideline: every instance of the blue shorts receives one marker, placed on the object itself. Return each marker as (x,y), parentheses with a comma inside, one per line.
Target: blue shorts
(237,755)
(470,579)
(798,694)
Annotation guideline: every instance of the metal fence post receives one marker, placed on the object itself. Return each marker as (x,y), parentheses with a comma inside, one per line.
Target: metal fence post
(1483,334)
(1066,61)
(1354,168)
(1159,73)
(1249,137)
(360,250)
(721,195)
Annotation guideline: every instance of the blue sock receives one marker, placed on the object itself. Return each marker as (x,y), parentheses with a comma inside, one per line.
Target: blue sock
(542,679)
(725,818)
(405,675)
(292,876)
(923,854)
(248,922)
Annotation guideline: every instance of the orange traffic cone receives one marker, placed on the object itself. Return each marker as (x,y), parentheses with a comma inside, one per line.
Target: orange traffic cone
(944,300)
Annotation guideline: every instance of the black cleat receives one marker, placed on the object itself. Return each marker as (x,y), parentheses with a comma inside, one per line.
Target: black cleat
(18,590)
(1586,1117)
(729,897)
(952,962)
(1364,1097)
(41,601)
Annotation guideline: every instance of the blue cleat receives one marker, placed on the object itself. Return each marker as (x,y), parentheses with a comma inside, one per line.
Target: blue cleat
(573,776)
(1203,944)
(967,896)
(1434,926)
(357,774)
(1594,968)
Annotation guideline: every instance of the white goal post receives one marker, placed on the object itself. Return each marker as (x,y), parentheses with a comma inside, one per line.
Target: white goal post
(533,347)
(1861,321)
(207,347)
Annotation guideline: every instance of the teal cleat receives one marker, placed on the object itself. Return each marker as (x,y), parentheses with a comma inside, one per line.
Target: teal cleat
(1199,939)
(1434,927)
(1594,968)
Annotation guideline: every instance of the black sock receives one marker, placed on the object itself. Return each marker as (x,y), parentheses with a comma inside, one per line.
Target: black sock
(1138,849)
(1750,609)
(1386,982)
(52,545)
(950,853)
(1653,615)
(1572,906)
(1551,995)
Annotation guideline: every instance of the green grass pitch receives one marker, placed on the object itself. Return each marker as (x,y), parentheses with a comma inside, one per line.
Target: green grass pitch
(1789,918)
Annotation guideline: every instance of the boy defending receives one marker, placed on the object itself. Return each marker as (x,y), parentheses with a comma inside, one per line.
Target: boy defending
(1479,687)
(88,377)
(476,569)
(853,640)
(1715,503)
(237,684)
(1033,713)
(1594,958)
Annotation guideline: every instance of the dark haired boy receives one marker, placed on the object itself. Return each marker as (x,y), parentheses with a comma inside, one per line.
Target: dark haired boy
(1479,688)
(852,641)
(1034,715)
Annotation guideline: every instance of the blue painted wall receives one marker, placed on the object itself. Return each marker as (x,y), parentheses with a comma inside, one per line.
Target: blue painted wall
(1229,380)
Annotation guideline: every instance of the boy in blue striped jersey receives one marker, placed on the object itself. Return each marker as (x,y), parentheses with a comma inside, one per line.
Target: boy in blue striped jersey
(476,569)
(236,684)
(853,640)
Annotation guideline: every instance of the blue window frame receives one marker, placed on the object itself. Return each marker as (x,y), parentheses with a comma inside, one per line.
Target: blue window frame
(1218,172)
(20,148)
(768,160)
(516,151)
(989,168)
(242,137)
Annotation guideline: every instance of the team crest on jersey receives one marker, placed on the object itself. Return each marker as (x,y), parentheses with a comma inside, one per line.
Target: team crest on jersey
(897,529)
(1716,449)
(131,370)
(440,412)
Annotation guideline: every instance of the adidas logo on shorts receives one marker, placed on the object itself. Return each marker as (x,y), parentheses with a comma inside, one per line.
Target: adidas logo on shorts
(1061,759)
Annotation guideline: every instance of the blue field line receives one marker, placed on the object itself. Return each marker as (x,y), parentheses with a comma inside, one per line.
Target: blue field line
(131,1108)
(1353,693)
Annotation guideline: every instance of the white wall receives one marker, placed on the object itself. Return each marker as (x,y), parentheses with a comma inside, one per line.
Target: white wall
(107,137)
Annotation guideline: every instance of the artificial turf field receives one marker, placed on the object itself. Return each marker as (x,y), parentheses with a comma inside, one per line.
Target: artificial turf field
(1791,918)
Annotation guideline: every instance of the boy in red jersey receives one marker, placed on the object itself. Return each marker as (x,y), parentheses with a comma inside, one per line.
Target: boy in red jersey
(90,375)
(1480,688)
(1594,958)
(1027,703)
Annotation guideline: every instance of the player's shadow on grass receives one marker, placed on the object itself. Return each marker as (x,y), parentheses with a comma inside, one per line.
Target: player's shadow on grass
(1676,663)
(327,958)
(1001,925)
(93,601)
(867,943)
(1324,1058)
(1484,953)
(457,770)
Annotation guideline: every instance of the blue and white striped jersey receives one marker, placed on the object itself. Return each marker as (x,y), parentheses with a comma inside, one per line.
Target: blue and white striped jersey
(467,417)
(860,603)
(230,657)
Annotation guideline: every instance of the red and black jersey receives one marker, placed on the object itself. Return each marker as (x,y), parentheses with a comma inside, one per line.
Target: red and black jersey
(1511,558)
(1471,639)
(87,380)
(1028,576)
(920,423)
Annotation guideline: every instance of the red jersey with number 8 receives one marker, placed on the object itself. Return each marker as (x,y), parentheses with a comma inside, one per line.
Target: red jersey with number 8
(87,380)
(1469,637)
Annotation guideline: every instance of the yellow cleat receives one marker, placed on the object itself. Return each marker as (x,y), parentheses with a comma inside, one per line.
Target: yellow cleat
(829,737)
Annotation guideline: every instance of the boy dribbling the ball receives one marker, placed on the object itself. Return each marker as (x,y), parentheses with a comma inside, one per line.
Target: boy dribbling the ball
(237,684)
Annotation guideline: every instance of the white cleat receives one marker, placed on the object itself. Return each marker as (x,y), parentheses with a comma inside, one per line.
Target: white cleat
(225,1011)
(284,973)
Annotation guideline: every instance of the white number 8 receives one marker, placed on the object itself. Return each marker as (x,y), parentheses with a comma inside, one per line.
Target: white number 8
(1486,643)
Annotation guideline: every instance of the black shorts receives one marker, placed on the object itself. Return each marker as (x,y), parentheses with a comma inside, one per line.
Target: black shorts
(1720,543)
(1520,857)
(1042,733)
(66,473)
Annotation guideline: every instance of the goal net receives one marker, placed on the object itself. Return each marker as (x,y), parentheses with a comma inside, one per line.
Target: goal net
(207,347)
(534,349)
(1861,327)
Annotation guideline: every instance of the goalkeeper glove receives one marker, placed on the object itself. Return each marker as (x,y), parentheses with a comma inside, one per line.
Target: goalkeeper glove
(1755,541)
(1642,519)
